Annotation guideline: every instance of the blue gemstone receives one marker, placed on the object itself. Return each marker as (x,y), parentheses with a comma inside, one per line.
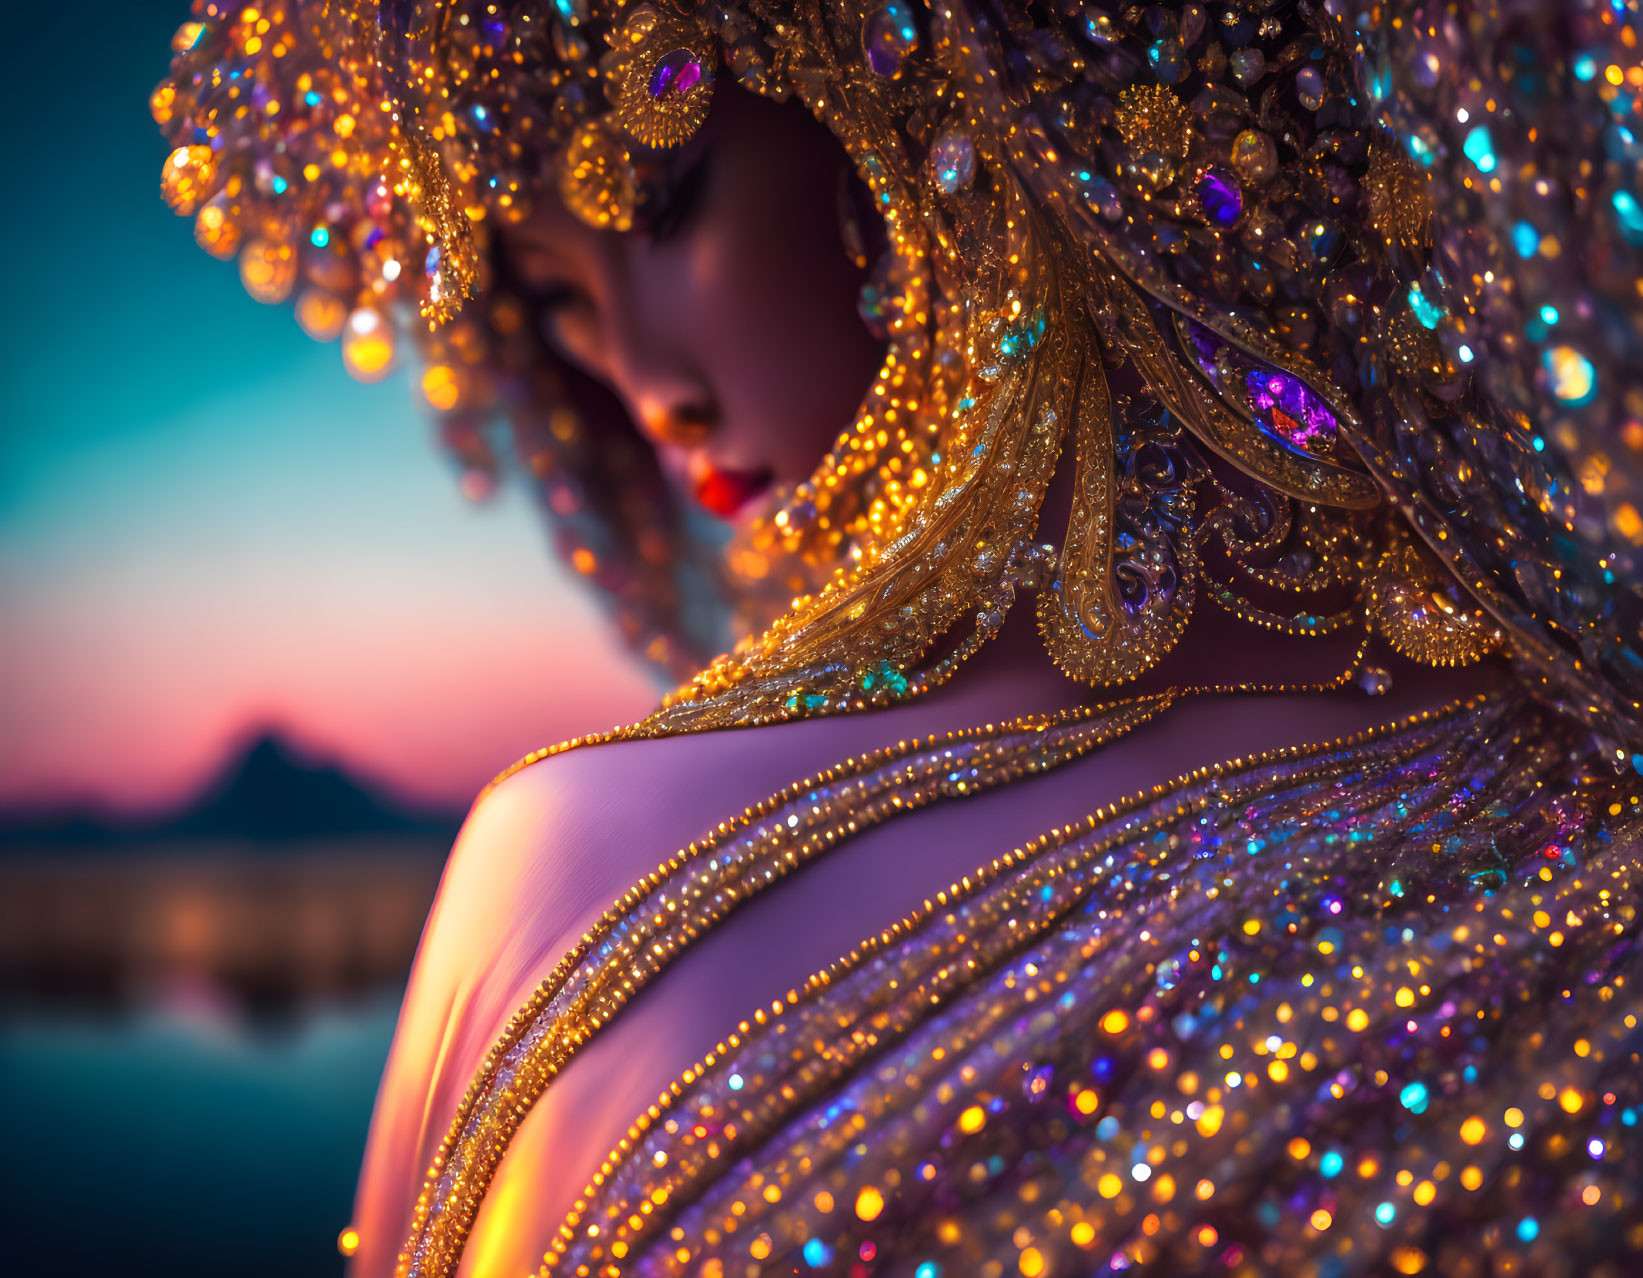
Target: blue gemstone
(1220,196)
(953,162)
(1480,149)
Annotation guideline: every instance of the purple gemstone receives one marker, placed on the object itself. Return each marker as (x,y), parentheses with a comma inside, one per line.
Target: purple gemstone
(1204,347)
(889,38)
(1286,409)
(675,74)
(1220,196)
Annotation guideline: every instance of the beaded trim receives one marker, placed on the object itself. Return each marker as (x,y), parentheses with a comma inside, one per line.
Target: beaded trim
(639,936)
(692,892)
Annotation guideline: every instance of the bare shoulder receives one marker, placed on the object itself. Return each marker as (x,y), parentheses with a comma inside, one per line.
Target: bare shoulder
(561,838)
(591,800)
(548,841)
(555,842)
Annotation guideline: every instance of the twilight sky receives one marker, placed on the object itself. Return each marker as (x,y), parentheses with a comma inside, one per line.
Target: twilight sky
(205,525)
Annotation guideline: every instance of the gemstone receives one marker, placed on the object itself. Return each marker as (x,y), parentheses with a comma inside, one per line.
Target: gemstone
(1204,347)
(1374,680)
(1248,65)
(1101,30)
(187,178)
(1102,196)
(675,74)
(217,227)
(1286,408)
(268,270)
(1167,59)
(1019,339)
(1282,405)
(1152,170)
(889,37)
(952,162)
(1220,196)
(1323,239)
(1255,156)
(1309,87)
(887,677)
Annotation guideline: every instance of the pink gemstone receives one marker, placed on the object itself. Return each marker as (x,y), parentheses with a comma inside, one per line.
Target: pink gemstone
(675,74)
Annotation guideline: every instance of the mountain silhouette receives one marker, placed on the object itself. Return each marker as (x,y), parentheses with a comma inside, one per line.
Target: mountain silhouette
(269,793)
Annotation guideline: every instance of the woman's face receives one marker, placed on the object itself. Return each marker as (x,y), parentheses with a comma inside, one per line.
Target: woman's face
(726,322)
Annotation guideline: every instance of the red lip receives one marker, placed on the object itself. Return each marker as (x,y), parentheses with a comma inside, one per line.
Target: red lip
(724,492)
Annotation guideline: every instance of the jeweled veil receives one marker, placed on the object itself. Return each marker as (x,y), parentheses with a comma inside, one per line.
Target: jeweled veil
(1381,262)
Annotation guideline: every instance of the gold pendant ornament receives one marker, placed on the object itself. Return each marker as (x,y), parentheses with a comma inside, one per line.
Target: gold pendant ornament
(662,69)
(596,178)
(1422,614)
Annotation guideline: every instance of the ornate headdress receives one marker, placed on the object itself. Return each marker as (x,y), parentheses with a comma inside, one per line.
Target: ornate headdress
(1373,269)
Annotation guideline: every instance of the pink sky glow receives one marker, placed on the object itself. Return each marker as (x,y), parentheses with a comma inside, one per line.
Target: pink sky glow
(294,553)
(118,702)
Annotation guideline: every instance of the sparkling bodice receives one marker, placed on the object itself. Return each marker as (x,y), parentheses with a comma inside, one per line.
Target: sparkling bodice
(1359,1007)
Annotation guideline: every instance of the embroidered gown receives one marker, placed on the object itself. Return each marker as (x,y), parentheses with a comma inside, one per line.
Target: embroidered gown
(935,986)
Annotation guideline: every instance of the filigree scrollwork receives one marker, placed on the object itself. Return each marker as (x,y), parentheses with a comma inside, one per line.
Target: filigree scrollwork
(1127,578)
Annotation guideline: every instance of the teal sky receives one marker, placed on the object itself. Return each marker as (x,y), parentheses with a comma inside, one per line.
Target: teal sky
(205,525)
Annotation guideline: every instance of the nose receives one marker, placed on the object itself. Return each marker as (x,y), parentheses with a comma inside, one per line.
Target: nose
(673,410)
(669,401)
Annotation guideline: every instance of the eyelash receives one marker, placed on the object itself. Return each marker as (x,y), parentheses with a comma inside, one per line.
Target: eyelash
(677,202)
(560,309)
(560,297)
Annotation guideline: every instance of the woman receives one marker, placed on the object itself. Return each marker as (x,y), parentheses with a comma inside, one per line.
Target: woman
(1266,900)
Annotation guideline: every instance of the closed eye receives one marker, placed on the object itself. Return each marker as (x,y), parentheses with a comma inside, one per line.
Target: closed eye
(670,212)
(568,319)
(559,296)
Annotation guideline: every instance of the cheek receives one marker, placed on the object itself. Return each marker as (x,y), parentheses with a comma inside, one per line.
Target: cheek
(788,356)
(579,335)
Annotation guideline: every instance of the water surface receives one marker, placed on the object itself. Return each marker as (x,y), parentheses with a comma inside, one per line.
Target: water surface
(185,1141)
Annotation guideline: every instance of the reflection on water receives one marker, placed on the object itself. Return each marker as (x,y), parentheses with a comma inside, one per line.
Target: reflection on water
(275,929)
(191,1033)
(185,1139)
